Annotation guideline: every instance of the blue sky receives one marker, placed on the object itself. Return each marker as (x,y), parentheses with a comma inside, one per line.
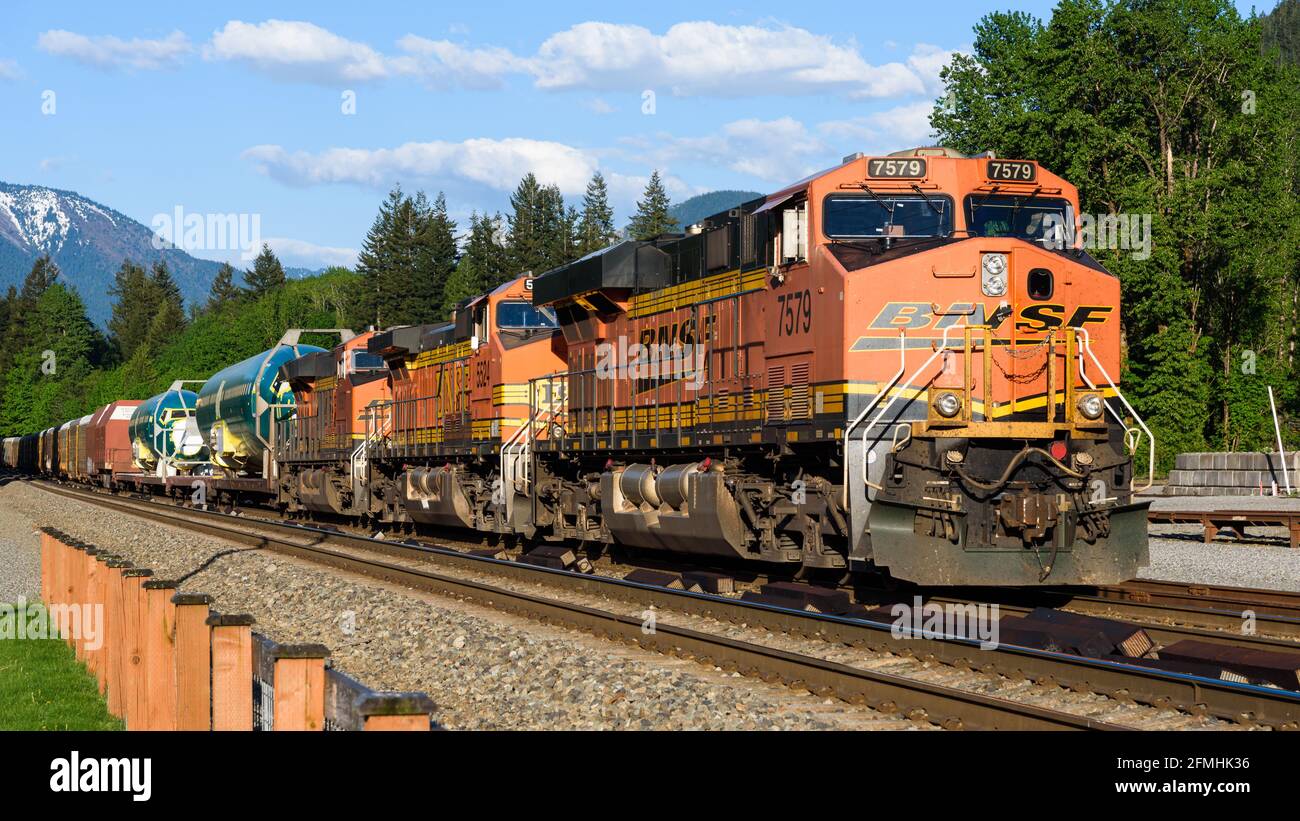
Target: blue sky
(239,107)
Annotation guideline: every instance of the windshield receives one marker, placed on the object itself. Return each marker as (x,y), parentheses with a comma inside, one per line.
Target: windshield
(524,315)
(366,361)
(1029,218)
(859,216)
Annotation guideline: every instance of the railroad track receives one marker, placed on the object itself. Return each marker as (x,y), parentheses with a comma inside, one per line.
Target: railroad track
(948,706)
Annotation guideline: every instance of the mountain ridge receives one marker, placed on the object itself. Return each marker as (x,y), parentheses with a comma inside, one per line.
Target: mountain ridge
(88,241)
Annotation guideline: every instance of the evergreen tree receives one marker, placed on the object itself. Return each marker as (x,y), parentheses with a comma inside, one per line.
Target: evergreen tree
(169,307)
(224,288)
(44,273)
(46,383)
(652,217)
(135,301)
(266,274)
(433,261)
(484,265)
(380,256)
(539,237)
(596,228)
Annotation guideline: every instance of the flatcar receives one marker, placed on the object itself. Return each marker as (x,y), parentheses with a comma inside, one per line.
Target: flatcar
(164,433)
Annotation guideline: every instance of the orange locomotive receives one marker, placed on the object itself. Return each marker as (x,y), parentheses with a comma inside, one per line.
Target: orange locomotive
(904,362)
(321,448)
(451,452)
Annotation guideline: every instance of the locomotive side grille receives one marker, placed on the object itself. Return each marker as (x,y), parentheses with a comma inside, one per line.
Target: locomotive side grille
(799,407)
(776,409)
(717,250)
(748,249)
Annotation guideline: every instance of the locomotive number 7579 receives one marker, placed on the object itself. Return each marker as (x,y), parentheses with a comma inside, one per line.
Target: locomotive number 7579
(795,313)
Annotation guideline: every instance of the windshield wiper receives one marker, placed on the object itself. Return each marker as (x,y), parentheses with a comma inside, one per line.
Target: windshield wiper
(1021,201)
(937,211)
(970,218)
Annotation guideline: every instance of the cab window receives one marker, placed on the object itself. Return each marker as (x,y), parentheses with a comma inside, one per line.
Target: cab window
(862,216)
(1038,219)
(524,316)
(366,361)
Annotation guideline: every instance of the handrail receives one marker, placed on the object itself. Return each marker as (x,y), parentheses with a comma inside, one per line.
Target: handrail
(1151,456)
(848,432)
(940,350)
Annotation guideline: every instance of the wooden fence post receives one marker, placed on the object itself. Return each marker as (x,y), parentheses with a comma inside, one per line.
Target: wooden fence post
(115,639)
(299,686)
(160,653)
(395,711)
(98,604)
(81,594)
(47,565)
(232,671)
(193,661)
(134,694)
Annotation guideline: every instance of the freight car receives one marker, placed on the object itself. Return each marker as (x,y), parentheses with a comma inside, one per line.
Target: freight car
(165,436)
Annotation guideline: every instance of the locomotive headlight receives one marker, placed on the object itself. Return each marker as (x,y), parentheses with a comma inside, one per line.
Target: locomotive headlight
(993,276)
(1091,406)
(947,404)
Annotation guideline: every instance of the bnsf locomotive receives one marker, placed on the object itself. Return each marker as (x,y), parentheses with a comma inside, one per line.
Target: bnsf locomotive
(904,364)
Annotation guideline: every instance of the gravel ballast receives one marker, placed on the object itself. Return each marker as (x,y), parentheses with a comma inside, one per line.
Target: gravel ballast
(483,669)
(1261,558)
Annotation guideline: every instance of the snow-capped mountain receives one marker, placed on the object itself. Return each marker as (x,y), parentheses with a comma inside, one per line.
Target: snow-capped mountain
(88,241)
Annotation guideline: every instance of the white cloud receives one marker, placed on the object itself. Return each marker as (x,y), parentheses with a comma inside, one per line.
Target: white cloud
(443,63)
(109,52)
(301,254)
(903,126)
(626,189)
(497,164)
(780,150)
(710,58)
(927,61)
(9,70)
(692,58)
(296,50)
(599,106)
(293,253)
(54,163)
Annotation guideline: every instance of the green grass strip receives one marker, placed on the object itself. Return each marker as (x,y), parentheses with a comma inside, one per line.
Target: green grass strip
(42,686)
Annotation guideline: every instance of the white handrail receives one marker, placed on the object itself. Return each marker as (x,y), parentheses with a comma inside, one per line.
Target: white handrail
(939,351)
(1151,456)
(848,432)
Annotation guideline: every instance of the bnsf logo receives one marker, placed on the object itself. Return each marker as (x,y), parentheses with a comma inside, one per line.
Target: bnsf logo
(1034,318)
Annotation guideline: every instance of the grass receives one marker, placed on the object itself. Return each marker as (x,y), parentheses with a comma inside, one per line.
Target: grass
(43,687)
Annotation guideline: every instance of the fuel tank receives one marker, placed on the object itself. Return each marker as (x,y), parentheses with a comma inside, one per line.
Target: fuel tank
(234,407)
(165,428)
